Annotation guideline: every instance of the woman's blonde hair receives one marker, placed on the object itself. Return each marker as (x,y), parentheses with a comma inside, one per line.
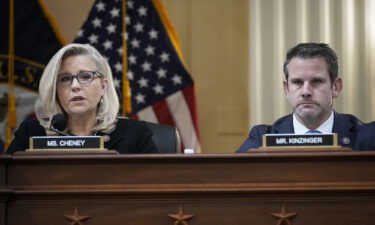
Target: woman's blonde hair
(108,107)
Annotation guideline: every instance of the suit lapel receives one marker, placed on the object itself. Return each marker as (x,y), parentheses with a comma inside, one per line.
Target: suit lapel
(344,128)
(284,125)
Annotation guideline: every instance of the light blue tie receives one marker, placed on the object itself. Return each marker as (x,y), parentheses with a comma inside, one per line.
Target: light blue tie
(313,132)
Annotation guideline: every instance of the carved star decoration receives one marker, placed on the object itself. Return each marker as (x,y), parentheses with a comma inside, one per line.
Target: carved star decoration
(283,216)
(180,217)
(76,218)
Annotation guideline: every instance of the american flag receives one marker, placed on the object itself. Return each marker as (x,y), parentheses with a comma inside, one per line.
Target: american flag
(162,90)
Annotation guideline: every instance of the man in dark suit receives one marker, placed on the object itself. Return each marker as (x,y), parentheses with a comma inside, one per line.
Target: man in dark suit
(311,83)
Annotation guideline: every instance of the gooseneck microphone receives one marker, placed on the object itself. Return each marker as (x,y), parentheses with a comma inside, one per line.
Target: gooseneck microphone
(58,123)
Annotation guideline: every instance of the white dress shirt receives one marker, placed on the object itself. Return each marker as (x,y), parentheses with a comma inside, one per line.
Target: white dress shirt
(325,128)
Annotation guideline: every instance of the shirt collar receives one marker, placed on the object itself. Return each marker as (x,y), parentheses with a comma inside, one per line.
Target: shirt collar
(325,128)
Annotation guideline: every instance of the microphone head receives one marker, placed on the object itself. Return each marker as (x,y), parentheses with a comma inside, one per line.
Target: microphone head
(59,121)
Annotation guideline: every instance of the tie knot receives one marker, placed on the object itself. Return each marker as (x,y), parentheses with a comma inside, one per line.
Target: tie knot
(313,132)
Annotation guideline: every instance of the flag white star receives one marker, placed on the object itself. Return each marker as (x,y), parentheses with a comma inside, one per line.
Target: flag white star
(177,79)
(80,33)
(150,50)
(115,12)
(132,59)
(97,22)
(146,66)
(118,67)
(142,11)
(111,28)
(107,44)
(135,43)
(162,73)
(153,34)
(120,51)
(140,98)
(127,19)
(164,57)
(130,4)
(138,27)
(100,6)
(158,89)
(130,75)
(93,39)
(143,82)
(116,83)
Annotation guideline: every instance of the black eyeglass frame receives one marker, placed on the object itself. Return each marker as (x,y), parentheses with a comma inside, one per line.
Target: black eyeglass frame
(77,76)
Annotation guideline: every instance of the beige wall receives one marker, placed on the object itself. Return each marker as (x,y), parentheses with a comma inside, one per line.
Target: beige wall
(68,15)
(214,38)
(215,42)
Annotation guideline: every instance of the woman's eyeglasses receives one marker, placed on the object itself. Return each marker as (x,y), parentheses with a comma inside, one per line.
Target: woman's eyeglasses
(84,78)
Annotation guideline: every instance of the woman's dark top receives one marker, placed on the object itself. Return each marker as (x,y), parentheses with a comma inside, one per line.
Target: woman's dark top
(128,137)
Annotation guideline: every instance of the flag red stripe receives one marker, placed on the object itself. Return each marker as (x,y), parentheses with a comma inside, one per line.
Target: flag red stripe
(134,117)
(163,113)
(189,95)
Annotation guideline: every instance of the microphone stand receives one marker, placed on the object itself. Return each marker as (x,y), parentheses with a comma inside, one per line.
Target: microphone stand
(59,132)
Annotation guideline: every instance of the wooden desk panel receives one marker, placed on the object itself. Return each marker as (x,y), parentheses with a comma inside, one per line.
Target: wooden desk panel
(239,189)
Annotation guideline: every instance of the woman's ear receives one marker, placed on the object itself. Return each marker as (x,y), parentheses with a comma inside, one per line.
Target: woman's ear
(104,86)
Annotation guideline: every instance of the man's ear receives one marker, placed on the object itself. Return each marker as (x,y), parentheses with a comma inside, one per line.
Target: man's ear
(286,89)
(337,87)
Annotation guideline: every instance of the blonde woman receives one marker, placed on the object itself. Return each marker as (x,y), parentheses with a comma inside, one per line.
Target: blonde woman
(78,83)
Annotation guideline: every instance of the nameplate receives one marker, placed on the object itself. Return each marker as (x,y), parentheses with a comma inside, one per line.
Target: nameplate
(303,140)
(66,143)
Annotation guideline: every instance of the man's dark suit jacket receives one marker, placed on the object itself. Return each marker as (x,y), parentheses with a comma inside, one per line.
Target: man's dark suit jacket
(129,137)
(351,132)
